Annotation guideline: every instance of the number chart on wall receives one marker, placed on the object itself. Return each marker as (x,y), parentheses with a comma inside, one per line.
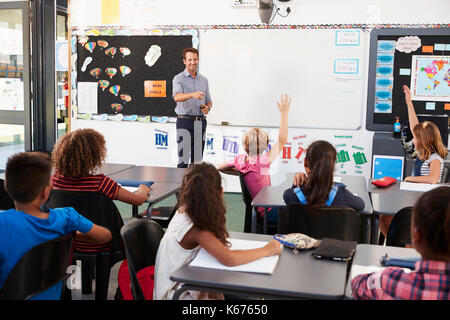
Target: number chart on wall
(418,58)
(130,75)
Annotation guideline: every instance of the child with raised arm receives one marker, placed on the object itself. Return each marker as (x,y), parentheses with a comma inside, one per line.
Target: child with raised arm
(199,222)
(431,153)
(255,164)
(428,142)
(76,157)
(430,234)
(27,181)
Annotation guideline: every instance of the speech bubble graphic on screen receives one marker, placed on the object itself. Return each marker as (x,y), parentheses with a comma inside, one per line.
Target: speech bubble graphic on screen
(408,44)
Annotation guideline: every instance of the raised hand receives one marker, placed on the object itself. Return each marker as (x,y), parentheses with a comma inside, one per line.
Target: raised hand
(284,103)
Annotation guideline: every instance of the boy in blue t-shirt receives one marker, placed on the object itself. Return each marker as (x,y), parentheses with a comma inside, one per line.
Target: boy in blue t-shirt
(27,181)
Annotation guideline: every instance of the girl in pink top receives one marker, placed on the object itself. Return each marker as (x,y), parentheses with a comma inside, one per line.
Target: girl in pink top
(255,164)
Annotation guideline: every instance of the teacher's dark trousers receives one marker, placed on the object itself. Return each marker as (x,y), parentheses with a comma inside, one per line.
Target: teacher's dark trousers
(191,140)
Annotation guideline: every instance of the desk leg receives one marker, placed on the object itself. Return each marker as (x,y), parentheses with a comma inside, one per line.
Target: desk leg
(366,228)
(265,221)
(374,230)
(254,213)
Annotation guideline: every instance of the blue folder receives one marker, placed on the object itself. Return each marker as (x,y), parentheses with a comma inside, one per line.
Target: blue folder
(134,183)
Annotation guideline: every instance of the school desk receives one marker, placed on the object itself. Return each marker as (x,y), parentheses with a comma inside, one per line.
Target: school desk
(370,255)
(270,197)
(388,201)
(167,182)
(110,168)
(296,276)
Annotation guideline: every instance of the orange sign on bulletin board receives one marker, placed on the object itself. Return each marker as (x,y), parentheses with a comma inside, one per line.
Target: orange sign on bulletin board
(427,49)
(155,89)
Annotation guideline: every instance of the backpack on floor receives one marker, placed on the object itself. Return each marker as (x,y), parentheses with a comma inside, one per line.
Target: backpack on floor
(146,278)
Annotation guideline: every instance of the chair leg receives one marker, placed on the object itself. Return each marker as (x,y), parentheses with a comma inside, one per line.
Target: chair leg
(86,277)
(103,272)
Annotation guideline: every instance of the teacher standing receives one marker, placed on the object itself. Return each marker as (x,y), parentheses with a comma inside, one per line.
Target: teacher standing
(191,93)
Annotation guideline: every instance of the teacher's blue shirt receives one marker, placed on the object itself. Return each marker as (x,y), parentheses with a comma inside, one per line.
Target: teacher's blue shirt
(185,83)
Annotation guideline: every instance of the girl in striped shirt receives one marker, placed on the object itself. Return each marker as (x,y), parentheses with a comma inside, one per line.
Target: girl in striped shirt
(430,150)
(428,142)
(76,158)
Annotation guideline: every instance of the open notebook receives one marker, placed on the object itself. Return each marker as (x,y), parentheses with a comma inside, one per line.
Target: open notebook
(264,265)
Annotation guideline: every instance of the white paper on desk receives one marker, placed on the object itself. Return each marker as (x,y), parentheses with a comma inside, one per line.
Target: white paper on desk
(413,186)
(87,97)
(358,269)
(337,179)
(131,189)
(264,265)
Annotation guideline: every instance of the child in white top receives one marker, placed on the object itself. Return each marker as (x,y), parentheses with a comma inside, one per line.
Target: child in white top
(199,222)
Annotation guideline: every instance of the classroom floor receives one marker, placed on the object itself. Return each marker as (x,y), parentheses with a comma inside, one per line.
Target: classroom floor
(235,222)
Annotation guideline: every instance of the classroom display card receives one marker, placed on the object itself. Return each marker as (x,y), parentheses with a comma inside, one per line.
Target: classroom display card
(264,265)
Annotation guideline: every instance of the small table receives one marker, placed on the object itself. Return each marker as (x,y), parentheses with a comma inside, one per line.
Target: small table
(155,174)
(297,276)
(388,201)
(370,255)
(110,168)
(270,197)
(167,182)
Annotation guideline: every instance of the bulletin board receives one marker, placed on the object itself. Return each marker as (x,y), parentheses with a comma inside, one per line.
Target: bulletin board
(322,70)
(131,75)
(418,58)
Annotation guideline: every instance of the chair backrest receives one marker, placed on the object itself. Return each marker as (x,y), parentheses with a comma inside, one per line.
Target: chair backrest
(399,232)
(141,238)
(40,268)
(247,198)
(94,206)
(341,223)
(445,175)
(6,202)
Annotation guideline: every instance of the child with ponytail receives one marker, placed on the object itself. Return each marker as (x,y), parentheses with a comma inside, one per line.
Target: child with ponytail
(255,164)
(317,189)
(199,222)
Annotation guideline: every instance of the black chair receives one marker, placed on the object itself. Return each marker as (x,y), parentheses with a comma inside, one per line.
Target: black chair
(6,202)
(341,223)
(162,215)
(141,238)
(39,269)
(102,211)
(247,198)
(399,232)
(445,175)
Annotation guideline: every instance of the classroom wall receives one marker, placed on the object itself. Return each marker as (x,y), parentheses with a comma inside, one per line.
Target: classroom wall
(211,12)
(140,143)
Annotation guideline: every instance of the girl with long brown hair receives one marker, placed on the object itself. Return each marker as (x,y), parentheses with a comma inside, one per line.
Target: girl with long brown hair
(428,142)
(318,189)
(431,153)
(199,222)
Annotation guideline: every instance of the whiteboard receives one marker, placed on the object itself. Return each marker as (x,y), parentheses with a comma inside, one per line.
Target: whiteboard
(248,70)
